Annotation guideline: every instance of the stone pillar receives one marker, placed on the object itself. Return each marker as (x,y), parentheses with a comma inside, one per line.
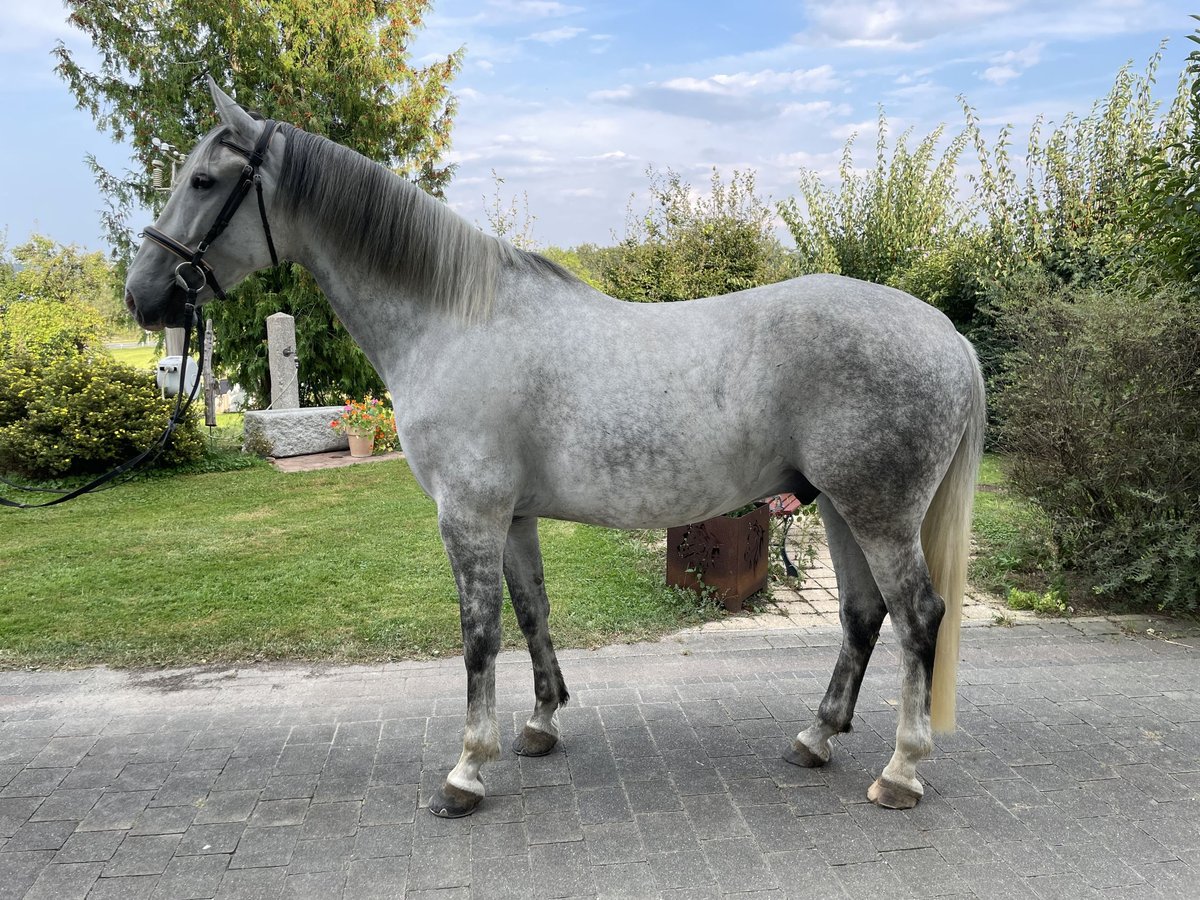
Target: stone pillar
(281,354)
(173,342)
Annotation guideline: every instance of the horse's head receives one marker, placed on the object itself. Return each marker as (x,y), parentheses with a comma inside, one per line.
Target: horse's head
(176,251)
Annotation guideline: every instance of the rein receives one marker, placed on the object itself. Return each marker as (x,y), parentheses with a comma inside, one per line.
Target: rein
(191,275)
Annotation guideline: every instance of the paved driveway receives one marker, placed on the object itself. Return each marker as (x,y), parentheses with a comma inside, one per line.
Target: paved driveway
(1075,773)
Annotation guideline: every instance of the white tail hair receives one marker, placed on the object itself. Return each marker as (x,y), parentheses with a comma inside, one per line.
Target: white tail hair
(946,541)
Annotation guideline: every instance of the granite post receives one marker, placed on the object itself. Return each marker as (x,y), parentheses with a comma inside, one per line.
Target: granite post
(281,356)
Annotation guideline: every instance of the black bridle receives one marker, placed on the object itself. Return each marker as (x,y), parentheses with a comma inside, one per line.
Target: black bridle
(194,264)
(191,275)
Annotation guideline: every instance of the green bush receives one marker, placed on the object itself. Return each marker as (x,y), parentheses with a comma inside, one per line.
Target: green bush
(879,223)
(686,246)
(1100,404)
(84,414)
(51,299)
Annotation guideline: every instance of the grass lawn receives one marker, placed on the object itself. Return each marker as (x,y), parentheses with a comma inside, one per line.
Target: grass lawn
(141,357)
(342,564)
(1013,546)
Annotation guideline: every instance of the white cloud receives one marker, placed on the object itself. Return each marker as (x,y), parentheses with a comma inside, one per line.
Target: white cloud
(557,35)
(1010,64)
(766,81)
(533,9)
(896,24)
(1000,75)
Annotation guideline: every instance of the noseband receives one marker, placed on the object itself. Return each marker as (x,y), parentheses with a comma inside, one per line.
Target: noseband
(194,272)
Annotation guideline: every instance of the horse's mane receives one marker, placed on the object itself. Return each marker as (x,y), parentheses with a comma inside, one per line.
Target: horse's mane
(391,226)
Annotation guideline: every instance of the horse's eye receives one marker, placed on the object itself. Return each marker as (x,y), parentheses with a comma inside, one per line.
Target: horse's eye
(201,181)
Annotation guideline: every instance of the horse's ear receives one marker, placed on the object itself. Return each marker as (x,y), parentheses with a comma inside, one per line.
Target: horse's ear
(232,115)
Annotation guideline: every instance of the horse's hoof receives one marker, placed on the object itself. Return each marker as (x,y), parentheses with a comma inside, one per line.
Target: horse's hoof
(891,795)
(799,755)
(531,742)
(450,802)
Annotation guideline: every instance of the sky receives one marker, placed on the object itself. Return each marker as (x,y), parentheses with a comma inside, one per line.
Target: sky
(570,102)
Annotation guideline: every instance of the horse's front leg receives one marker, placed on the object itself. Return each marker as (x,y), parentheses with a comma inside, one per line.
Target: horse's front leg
(527,587)
(474,542)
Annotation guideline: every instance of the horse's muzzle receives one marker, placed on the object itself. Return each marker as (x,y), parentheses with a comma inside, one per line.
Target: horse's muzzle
(169,314)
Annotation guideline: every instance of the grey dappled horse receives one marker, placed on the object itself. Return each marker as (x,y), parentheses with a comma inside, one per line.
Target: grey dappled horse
(522,392)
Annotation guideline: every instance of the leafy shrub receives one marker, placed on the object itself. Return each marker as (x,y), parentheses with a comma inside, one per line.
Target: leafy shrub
(51,298)
(84,414)
(1052,602)
(880,222)
(1100,404)
(1065,212)
(1164,213)
(687,246)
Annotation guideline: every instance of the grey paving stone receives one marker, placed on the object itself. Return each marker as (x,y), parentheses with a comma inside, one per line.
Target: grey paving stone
(615,843)
(381,878)
(840,839)
(497,878)
(279,812)
(143,776)
(314,886)
(440,863)
(146,855)
(40,836)
(164,820)
(390,804)
(34,783)
(666,832)
(116,811)
(226,806)
(503,839)
(804,873)
(604,804)
(131,887)
(681,870)
(739,866)
(290,787)
(331,820)
(561,870)
(871,879)
(324,855)
(19,869)
(265,847)
(1081,784)
(90,846)
(191,878)
(68,804)
(199,840)
(64,881)
(251,884)
(624,881)
(376,841)
(554,827)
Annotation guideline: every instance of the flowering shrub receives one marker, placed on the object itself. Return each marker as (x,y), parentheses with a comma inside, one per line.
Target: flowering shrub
(84,414)
(367,416)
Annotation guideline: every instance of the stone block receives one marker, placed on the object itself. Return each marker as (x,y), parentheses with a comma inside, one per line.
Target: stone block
(293,432)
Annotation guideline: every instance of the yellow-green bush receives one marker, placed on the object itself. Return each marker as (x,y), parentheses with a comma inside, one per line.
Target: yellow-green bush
(83,414)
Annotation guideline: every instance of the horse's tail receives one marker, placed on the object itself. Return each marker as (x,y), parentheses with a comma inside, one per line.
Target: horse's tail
(946,541)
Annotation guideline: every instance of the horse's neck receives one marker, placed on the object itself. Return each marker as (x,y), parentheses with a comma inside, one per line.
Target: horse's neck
(396,329)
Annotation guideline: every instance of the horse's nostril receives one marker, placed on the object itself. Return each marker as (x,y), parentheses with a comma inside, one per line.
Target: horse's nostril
(129,304)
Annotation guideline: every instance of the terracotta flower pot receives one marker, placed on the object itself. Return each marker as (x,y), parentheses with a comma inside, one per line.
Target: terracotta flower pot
(362,443)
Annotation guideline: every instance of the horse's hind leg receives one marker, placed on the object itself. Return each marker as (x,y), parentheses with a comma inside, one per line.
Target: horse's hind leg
(526,586)
(474,540)
(862,610)
(916,611)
